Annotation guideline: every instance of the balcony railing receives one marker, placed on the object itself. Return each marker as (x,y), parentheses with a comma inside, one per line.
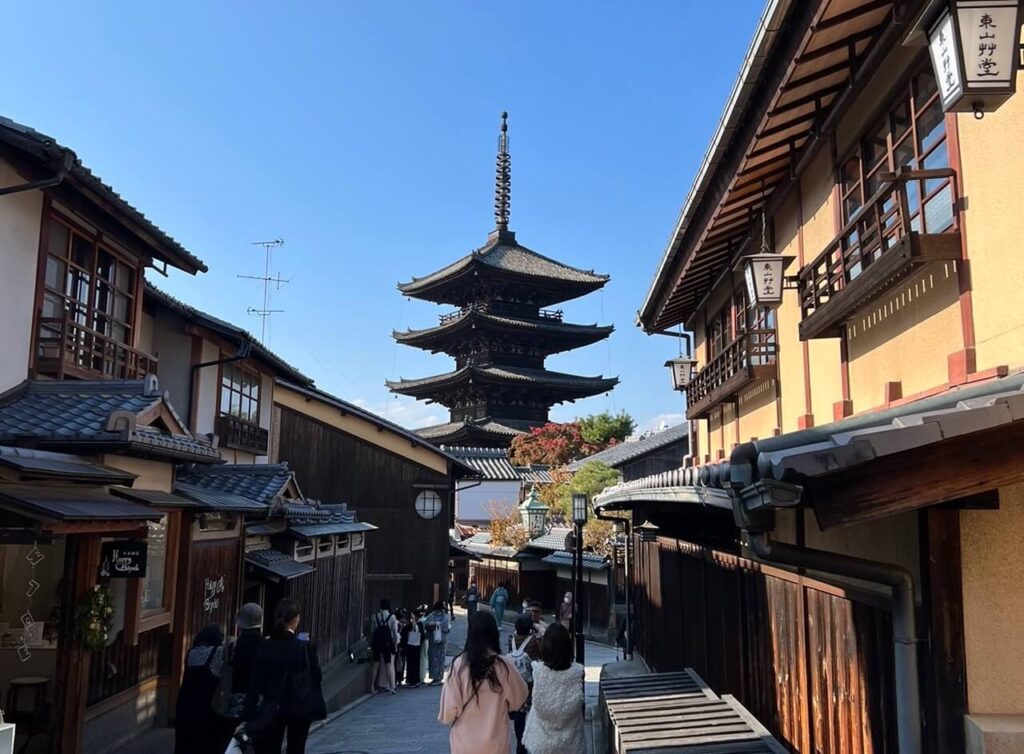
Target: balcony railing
(912,219)
(65,348)
(748,359)
(503,309)
(239,434)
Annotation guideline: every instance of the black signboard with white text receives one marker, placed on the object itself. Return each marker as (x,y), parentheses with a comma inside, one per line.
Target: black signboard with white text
(123,559)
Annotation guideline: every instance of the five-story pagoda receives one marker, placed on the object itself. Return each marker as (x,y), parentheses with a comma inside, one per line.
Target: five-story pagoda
(500,333)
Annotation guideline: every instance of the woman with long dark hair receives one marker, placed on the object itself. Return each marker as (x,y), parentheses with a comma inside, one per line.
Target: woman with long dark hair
(197,728)
(482,688)
(284,697)
(554,724)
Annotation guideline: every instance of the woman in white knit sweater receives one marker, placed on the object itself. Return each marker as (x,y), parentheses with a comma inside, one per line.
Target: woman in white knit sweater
(555,722)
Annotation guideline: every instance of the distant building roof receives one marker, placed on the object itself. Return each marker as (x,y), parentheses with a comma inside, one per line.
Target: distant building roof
(98,415)
(242,337)
(591,562)
(624,452)
(315,520)
(570,383)
(554,539)
(63,160)
(536,474)
(474,431)
(502,253)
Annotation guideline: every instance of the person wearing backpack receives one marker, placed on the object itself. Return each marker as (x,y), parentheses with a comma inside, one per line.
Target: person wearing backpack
(383,643)
(523,649)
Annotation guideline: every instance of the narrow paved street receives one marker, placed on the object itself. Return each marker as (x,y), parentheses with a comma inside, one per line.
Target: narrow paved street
(406,723)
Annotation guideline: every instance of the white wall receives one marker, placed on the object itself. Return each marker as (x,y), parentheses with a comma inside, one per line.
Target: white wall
(20,216)
(208,393)
(472,501)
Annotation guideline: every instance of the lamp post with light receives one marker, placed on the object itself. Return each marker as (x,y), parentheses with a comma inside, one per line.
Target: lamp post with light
(580,504)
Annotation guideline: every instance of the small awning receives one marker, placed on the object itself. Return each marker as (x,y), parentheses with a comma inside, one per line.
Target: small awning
(308,531)
(155,497)
(71,503)
(591,562)
(216,500)
(37,464)
(265,528)
(275,565)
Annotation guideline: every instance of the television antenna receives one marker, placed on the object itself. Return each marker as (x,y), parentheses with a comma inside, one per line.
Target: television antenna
(265,312)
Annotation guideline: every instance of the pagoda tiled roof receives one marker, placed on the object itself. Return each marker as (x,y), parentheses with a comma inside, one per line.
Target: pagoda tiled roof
(511,375)
(504,254)
(538,327)
(475,431)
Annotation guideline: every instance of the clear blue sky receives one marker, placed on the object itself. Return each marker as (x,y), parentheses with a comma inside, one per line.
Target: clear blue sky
(364,135)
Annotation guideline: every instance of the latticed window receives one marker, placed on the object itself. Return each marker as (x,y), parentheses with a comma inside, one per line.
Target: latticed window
(240,393)
(88,282)
(911,135)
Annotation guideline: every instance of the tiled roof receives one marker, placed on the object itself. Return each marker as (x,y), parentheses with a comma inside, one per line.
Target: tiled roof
(539,326)
(277,564)
(414,437)
(503,429)
(43,464)
(492,463)
(508,257)
(260,483)
(510,374)
(46,148)
(94,414)
(551,540)
(218,500)
(591,562)
(536,474)
(624,452)
(66,502)
(243,338)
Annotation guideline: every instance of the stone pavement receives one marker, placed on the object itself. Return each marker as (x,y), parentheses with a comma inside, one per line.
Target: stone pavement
(406,723)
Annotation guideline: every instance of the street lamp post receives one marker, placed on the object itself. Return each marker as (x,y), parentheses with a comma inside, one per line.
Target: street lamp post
(580,504)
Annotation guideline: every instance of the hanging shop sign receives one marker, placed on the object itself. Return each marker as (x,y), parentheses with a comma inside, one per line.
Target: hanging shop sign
(123,559)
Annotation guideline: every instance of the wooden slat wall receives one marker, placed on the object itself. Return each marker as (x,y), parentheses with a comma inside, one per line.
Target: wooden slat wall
(335,467)
(331,598)
(121,666)
(213,560)
(809,661)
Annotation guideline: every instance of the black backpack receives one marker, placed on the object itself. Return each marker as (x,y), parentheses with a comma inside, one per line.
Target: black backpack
(382,641)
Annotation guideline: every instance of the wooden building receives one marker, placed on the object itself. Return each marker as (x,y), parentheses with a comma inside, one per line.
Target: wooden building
(403,483)
(500,334)
(651,454)
(841,555)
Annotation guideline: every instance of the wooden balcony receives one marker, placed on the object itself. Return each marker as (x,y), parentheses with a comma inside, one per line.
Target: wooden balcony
(67,349)
(500,308)
(750,358)
(239,434)
(883,243)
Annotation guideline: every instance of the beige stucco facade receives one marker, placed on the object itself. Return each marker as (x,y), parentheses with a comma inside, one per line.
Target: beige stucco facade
(20,220)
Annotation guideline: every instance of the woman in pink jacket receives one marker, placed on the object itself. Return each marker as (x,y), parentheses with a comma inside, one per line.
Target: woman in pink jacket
(480,691)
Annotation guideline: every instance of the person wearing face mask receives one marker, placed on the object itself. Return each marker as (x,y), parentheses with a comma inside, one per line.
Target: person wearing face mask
(566,610)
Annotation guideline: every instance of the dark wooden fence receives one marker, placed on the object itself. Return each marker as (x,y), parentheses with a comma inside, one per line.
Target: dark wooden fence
(332,603)
(811,661)
(122,665)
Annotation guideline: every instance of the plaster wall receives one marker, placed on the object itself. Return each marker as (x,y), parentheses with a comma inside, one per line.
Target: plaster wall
(759,414)
(20,217)
(150,474)
(992,558)
(819,213)
(207,390)
(992,163)
(790,349)
(473,502)
(905,336)
(173,347)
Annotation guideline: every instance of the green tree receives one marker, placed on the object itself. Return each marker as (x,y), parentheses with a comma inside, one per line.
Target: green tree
(589,480)
(606,429)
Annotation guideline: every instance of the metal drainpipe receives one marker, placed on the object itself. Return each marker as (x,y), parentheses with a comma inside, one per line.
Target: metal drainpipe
(904,623)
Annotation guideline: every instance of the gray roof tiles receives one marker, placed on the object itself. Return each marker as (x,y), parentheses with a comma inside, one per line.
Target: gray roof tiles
(89,413)
(511,374)
(509,257)
(624,452)
(260,483)
(591,562)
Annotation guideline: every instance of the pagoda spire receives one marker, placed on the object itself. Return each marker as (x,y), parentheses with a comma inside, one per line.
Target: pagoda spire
(503,178)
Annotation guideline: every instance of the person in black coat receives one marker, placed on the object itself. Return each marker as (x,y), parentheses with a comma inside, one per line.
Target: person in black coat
(197,728)
(286,680)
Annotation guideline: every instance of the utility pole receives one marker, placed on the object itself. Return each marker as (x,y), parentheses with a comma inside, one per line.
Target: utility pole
(265,311)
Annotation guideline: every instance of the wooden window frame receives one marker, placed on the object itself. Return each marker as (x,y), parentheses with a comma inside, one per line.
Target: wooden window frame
(358,541)
(343,544)
(904,95)
(304,557)
(164,615)
(257,378)
(330,542)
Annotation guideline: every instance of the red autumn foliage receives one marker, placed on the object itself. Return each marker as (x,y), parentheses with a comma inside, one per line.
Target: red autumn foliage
(554,445)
